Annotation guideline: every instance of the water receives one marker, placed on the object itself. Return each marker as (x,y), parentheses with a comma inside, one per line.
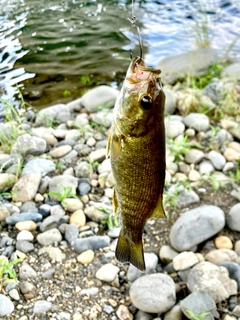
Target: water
(58,48)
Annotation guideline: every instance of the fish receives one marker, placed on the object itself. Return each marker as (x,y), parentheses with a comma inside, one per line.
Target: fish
(136,147)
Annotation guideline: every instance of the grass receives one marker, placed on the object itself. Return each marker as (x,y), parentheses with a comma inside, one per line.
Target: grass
(194,317)
(7,272)
(113,219)
(235,175)
(67,192)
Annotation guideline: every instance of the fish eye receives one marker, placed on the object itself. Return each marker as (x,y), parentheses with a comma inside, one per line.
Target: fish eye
(146,102)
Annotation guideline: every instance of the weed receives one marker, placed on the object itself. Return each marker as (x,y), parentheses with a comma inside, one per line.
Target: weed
(67,192)
(179,147)
(113,219)
(194,317)
(84,79)
(93,164)
(49,121)
(6,270)
(236,175)
(66,93)
(213,181)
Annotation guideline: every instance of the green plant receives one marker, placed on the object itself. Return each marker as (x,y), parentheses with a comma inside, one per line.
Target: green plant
(49,121)
(213,181)
(179,147)
(113,219)
(7,272)
(194,317)
(93,164)
(67,192)
(236,175)
(66,93)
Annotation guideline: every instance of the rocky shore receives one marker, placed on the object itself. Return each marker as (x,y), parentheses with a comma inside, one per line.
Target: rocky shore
(56,191)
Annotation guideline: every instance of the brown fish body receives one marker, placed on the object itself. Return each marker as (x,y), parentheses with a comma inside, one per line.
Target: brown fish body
(137,151)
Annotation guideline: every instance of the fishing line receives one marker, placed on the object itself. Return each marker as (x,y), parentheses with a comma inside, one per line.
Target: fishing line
(133,20)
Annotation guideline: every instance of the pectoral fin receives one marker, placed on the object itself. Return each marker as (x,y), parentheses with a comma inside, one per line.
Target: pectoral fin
(108,146)
(158,212)
(116,147)
(115,203)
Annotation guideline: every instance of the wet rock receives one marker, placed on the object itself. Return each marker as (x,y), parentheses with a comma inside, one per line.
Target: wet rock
(91,243)
(233,218)
(154,293)
(49,237)
(107,272)
(38,165)
(99,97)
(199,302)
(6,304)
(197,121)
(26,187)
(213,279)
(27,144)
(185,232)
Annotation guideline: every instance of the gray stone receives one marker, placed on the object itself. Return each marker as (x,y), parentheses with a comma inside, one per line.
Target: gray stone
(186,198)
(95,212)
(82,169)
(71,233)
(41,306)
(25,235)
(141,315)
(57,210)
(43,187)
(223,136)
(167,254)
(151,261)
(103,118)
(24,246)
(154,293)
(233,218)
(91,243)
(194,63)
(213,279)
(170,102)
(52,222)
(54,253)
(27,144)
(199,302)
(7,180)
(185,260)
(174,128)
(26,286)
(197,121)
(206,167)
(13,293)
(38,165)
(49,237)
(186,233)
(24,216)
(174,314)
(107,272)
(217,159)
(105,166)
(27,272)
(84,188)
(48,274)
(29,206)
(98,155)
(194,156)
(58,112)
(26,187)
(107,308)
(233,270)
(6,304)
(232,71)
(59,183)
(89,291)
(101,96)
(218,256)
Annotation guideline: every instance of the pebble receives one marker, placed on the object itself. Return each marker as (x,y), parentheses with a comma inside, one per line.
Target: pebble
(6,304)
(184,260)
(55,254)
(194,156)
(217,159)
(221,255)
(26,187)
(14,294)
(154,293)
(89,291)
(94,213)
(25,235)
(23,217)
(197,121)
(84,188)
(186,198)
(167,253)
(27,272)
(57,210)
(4,213)
(123,313)
(86,257)
(41,306)
(151,262)
(233,270)
(107,272)
(174,314)
(26,286)
(52,222)
(206,167)
(198,302)
(61,151)
(71,233)
(231,154)
(91,243)
(233,218)
(213,279)
(78,218)
(49,237)
(98,155)
(24,246)
(71,204)
(27,144)
(27,225)
(40,166)
(186,233)
(223,242)
(174,128)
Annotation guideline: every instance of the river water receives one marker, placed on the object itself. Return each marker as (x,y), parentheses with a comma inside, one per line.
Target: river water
(56,49)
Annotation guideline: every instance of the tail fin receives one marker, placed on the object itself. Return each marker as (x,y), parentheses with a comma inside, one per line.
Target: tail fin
(127,251)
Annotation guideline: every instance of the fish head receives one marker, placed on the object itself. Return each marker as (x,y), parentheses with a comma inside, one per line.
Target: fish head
(141,100)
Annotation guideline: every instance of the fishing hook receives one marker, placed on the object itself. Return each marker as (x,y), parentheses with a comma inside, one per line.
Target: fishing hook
(133,22)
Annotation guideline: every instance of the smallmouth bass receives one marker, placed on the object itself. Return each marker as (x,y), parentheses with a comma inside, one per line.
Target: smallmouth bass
(136,147)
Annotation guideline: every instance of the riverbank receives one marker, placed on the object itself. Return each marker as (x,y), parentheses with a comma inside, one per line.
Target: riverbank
(56,203)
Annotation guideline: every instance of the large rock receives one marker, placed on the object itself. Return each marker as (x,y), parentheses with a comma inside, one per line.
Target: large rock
(26,187)
(196,226)
(154,293)
(193,63)
(213,279)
